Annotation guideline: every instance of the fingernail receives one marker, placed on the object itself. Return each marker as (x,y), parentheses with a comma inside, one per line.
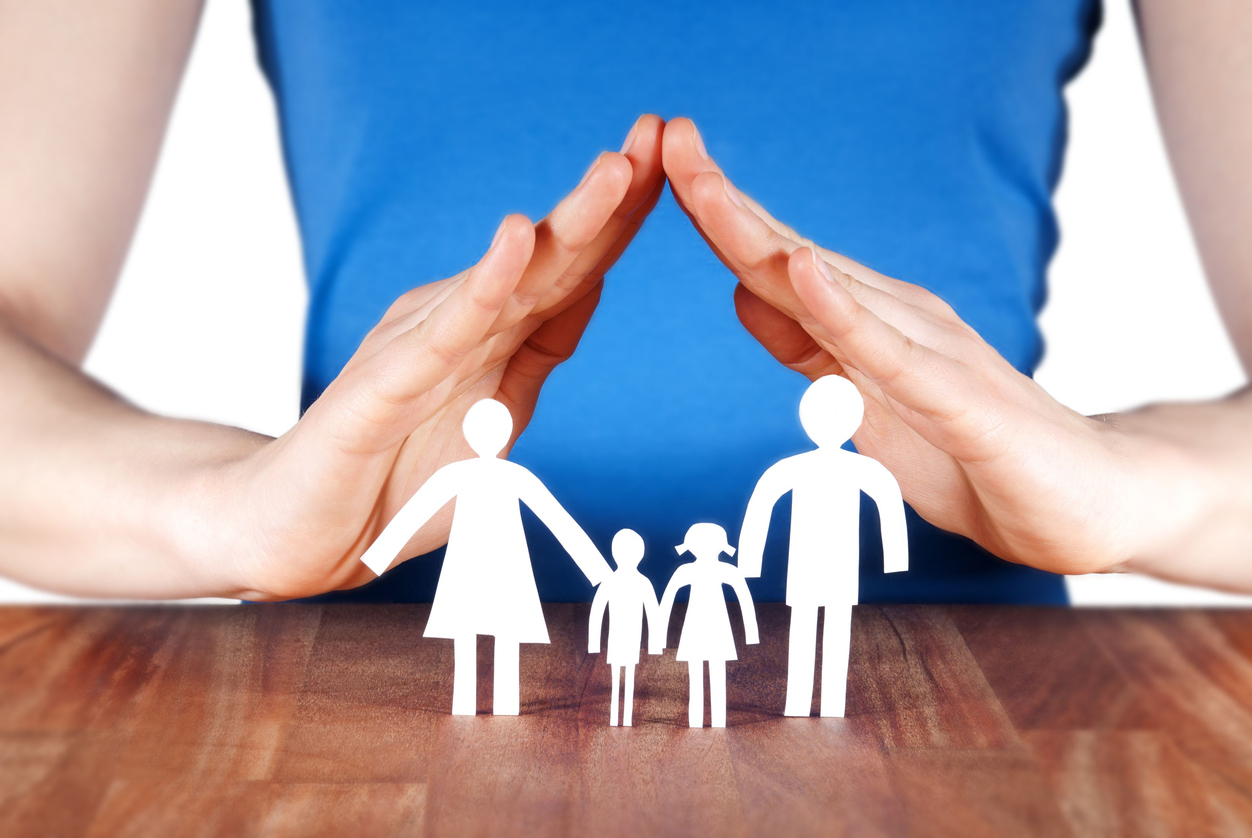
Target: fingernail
(732,193)
(821,264)
(630,138)
(499,233)
(588,172)
(699,144)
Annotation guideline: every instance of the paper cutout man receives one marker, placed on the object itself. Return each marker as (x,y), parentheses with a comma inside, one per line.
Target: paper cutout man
(824,554)
(628,595)
(487,585)
(706,635)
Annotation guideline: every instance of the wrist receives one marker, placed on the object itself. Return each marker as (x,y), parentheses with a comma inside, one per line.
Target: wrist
(1172,490)
(202,516)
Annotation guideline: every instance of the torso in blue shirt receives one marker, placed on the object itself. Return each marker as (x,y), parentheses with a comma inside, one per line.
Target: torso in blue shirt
(921,138)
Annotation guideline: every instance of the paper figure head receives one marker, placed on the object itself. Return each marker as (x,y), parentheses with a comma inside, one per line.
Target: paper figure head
(706,541)
(487,427)
(627,548)
(831,410)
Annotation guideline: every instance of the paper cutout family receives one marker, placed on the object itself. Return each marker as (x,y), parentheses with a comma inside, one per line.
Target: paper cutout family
(487,585)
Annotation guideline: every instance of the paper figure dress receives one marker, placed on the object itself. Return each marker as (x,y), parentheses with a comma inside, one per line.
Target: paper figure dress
(487,584)
(824,552)
(629,597)
(706,636)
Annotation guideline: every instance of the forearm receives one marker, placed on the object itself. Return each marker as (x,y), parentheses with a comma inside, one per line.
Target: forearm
(1195,487)
(98,498)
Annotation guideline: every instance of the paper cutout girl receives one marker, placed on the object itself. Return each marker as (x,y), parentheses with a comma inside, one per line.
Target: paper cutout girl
(487,585)
(706,635)
(629,597)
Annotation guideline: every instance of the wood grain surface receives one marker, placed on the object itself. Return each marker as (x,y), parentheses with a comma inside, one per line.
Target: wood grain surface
(312,719)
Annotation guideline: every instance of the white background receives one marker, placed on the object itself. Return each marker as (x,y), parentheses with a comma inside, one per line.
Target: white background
(207,319)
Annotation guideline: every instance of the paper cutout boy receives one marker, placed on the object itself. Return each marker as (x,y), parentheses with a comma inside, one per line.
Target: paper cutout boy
(487,584)
(629,597)
(706,635)
(824,554)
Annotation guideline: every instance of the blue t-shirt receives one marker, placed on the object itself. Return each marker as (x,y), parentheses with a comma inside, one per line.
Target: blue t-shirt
(920,137)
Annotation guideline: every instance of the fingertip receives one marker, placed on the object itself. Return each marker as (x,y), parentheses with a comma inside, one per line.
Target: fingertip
(520,230)
(801,260)
(754,313)
(678,147)
(512,246)
(707,189)
(652,121)
(618,166)
(679,128)
(648,131)
(611,172)
(645,144)
(745,302)
(816,285)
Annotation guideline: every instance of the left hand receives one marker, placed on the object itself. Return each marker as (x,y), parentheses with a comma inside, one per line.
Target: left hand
(978,448)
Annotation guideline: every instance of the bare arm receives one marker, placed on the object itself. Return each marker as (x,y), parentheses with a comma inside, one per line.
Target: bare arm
(102,499)
(85,94)
(86,91)
(1199,60)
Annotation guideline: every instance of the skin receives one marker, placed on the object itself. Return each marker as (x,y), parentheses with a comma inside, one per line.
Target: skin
(977,447)
(100,498)
(138,505)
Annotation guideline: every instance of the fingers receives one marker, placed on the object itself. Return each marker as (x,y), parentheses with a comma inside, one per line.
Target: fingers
(745,236)
(563,257)
(371,407)
(935,388)
(549,346)
(584,226)
(783,337)
(685,159)
(753,251)
(642,150)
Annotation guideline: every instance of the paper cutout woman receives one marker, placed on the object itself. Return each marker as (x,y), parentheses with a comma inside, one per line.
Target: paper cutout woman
(487,585)
(706,635)
(824,556)
(629,597)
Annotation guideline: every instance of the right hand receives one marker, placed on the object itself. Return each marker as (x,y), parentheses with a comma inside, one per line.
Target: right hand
(292,516)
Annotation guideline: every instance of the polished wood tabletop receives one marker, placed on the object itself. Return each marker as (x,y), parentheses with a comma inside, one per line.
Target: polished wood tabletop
(315,719)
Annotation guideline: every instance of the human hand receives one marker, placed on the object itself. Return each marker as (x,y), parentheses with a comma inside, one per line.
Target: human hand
(293,516)
(977,447)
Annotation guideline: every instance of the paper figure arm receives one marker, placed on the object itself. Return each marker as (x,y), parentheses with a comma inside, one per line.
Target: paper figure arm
(571,536)
(598,603)
(667,604)
(772,486)
(435,492)
(880,485)
(736,580)
(652,610)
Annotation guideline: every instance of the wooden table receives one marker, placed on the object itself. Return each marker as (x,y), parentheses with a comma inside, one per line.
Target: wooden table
(300,718)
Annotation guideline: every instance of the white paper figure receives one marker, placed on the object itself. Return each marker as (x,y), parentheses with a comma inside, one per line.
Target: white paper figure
(706,635)
(629,596)
(824,553)
(487,585)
